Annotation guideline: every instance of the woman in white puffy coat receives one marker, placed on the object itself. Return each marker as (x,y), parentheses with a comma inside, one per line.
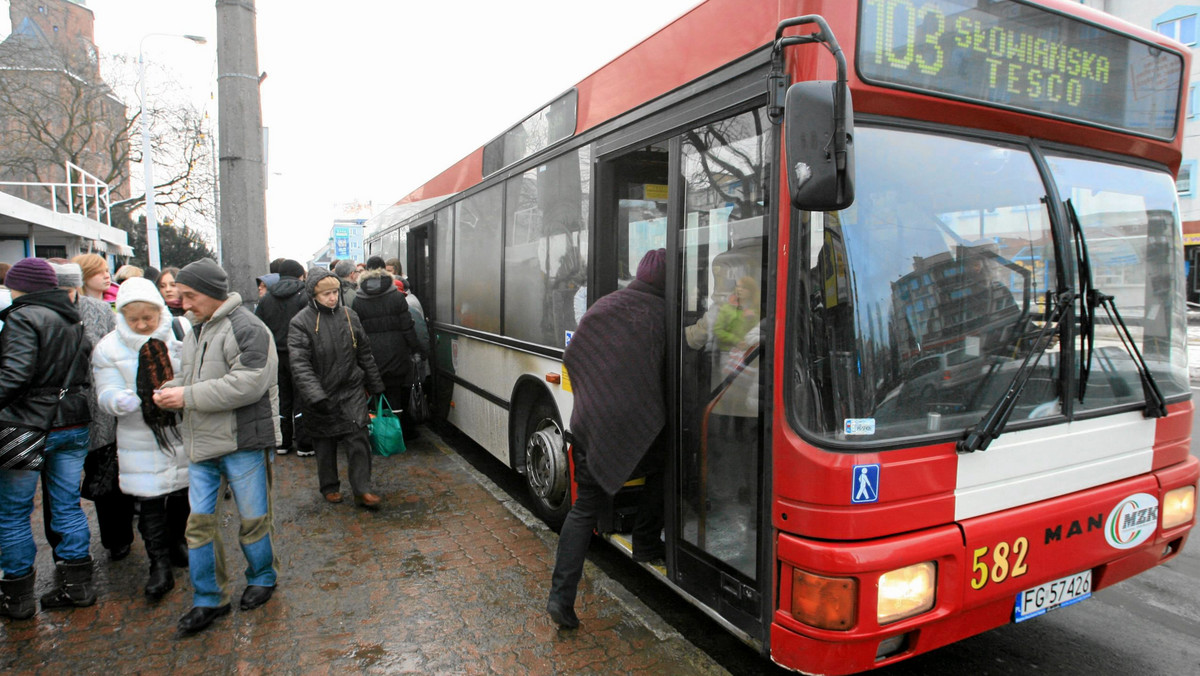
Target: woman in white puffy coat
(153,464)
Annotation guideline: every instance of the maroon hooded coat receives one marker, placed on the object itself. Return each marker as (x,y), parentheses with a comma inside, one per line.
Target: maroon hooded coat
(616,364)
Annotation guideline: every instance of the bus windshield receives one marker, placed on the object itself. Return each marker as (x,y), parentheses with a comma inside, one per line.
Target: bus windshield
(917,304)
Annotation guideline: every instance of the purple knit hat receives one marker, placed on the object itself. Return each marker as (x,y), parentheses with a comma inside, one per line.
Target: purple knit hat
(31,274)
(653,268)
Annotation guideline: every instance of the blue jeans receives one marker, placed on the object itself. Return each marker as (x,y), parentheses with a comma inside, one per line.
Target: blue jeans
(248,473)
(65,452)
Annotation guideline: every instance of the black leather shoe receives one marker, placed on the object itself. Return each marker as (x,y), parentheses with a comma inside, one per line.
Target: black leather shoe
(255,596)
(199,618)
(118,553)
(563,616)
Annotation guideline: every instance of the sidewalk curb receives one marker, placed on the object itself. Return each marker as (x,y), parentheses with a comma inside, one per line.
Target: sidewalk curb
(634,606)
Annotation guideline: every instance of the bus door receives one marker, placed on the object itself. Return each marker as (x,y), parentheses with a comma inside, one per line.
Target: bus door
(701,194)
(632,196)
(419,265)
(722,183)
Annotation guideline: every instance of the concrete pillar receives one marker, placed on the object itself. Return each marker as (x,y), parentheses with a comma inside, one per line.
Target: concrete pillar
(242,176)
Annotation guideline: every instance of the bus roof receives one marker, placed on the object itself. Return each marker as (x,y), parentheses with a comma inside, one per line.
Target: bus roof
(717,32)
(706,37)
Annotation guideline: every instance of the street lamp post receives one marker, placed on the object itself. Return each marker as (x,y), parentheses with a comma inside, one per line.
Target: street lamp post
(147,161)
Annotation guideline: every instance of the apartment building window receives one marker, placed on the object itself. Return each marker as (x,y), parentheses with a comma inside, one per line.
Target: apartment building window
(1185,182)
(1179,23)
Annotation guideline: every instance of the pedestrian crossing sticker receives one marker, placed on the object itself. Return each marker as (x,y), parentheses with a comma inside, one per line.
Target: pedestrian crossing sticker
(865,484)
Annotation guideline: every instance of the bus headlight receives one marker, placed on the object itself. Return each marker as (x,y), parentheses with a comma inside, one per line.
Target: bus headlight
(824,602)
(906,592)
(1179,506)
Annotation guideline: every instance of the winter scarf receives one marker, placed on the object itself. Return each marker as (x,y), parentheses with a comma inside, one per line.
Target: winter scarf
(154,369)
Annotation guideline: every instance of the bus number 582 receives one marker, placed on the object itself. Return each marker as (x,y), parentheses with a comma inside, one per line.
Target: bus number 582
(1000,568)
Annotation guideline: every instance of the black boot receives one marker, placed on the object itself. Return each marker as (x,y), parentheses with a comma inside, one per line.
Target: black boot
(16,597)
(162,580)
(74,588)
(177,518)
(179,555)
(153,527)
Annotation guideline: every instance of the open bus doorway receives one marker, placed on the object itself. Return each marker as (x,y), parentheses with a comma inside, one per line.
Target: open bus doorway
(701,194)
(419,266)
(632,196)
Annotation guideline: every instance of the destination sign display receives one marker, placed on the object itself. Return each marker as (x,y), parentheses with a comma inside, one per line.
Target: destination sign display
(1017,55)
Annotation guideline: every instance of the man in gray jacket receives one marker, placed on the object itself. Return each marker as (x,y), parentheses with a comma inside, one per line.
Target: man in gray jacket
(227,391)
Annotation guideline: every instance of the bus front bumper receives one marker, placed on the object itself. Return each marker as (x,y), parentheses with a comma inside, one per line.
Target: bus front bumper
(990,571)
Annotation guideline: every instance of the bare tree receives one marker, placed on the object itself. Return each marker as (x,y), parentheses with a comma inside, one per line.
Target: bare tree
(52,112)
(182,148)
(730,156)
(55,108)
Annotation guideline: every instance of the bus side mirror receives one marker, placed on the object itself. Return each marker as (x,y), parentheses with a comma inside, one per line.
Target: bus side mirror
(820,169)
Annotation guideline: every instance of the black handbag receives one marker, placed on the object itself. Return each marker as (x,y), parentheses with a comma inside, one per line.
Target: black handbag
(24,446)
(418,405)
(101,473)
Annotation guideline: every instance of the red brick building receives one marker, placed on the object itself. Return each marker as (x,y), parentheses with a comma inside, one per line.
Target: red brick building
(54,105)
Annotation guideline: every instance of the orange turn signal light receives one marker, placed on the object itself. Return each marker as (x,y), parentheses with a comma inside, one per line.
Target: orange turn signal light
(553,378)
(824,602)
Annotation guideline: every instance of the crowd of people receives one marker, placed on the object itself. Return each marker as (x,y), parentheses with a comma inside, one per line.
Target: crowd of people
(156,389)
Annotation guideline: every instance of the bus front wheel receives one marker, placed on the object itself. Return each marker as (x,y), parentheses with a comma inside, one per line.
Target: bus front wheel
(546,465)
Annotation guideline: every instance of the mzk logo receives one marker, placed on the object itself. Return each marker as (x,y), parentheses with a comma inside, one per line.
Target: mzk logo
(1132,522)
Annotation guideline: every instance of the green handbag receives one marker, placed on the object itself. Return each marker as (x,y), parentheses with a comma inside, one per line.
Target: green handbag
(384,427)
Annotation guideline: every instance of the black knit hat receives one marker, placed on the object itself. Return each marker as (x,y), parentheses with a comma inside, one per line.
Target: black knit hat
(206,277)
(290,268)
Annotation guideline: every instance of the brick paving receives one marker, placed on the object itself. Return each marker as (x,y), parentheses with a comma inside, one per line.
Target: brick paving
(448,578)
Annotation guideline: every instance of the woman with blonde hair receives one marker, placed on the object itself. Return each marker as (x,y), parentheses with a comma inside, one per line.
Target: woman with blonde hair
(126,271)
(738,315)
(97,280)
(114,511)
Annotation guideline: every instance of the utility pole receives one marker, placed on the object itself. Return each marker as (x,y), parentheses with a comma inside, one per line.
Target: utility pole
(242,178)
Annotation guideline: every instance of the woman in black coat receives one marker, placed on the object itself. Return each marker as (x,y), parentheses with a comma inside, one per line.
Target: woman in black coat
(388,323)
(41,343)
(332,370)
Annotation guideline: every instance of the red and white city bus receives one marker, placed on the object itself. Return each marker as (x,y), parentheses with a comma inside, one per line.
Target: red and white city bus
(927,367)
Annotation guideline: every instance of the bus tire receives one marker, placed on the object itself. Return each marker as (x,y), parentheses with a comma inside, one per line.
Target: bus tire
(547,474)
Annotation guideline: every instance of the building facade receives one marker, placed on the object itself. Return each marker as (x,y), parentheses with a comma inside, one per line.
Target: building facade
(64,147)
(1180,21)
(54,106)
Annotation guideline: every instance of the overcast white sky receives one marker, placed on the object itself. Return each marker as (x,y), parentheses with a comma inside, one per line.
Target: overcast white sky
(367,99)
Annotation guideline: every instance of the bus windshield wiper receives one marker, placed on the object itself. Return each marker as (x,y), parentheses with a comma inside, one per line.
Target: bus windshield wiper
(1087,291)
(993,422)
(1156,404)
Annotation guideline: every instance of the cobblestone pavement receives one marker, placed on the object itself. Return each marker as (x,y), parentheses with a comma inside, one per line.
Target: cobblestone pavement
(448,578)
